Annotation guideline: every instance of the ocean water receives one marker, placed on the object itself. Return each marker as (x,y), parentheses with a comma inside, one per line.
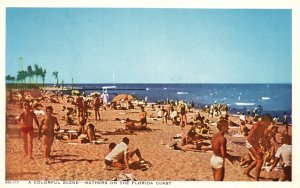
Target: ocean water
(272,98)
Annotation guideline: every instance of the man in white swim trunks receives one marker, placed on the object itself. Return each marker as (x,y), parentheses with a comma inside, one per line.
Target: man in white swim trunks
(255,137)
(218,143)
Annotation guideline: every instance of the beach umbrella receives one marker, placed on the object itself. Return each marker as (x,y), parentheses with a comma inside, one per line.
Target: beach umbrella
(120,97)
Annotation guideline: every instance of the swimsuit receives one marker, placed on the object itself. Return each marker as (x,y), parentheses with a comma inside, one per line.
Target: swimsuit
(48,133)
(143,120)
(26,130)
(216,162)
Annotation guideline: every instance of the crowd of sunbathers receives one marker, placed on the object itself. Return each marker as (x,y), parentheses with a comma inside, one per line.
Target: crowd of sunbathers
(266,144)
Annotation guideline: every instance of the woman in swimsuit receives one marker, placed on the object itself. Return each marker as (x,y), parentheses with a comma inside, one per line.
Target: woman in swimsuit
(25,121)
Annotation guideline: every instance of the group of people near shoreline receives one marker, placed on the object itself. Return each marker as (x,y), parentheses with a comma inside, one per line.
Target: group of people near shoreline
(119,156)
(258,139)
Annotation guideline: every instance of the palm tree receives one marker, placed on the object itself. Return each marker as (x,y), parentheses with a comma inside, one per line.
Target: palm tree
(55,74)
(21,77)
(21,63)
(43,75)
(36,72)
(30,74)
(10,78)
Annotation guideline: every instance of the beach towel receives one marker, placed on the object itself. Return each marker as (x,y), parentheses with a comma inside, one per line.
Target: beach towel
(119,132)
(238,136)
(39,112)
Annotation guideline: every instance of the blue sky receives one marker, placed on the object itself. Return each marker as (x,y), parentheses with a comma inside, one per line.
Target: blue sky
(152,45)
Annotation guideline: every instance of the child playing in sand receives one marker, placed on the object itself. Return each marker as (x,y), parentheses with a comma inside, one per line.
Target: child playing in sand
(47,131)
(25,121)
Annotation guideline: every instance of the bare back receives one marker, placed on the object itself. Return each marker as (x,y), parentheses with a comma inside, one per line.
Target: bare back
(256,134)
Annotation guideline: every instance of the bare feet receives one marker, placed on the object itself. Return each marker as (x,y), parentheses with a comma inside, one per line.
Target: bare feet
(247,173)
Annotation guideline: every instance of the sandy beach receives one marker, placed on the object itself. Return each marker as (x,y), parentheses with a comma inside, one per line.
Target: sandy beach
(73,161)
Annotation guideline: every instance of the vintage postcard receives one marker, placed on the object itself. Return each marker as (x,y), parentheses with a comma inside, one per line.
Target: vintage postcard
(141,93)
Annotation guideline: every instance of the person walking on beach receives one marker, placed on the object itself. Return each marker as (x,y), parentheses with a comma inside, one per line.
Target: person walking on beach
(25,121)
(79,105)
(255,137)
(105,97)
(182,111)
(47,131)
(97,104)
(218,143)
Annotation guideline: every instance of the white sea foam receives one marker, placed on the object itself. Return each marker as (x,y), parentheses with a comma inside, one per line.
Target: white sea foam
(182,93)
(245,103)
(265,98)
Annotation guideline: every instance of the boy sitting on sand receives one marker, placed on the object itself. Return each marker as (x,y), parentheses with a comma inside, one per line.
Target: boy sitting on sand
(47,131)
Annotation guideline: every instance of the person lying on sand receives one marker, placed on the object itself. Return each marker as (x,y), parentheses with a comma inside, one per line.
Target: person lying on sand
(219,148)
(47,131)
(120,155)
(197,146)
(131,125)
